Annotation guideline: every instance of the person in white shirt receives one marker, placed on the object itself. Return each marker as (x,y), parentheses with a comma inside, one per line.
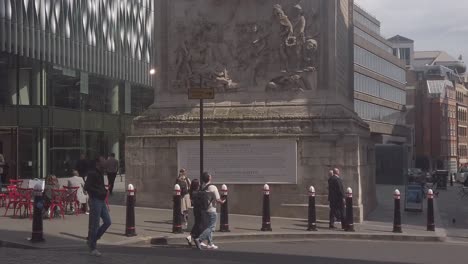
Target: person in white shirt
(210,214)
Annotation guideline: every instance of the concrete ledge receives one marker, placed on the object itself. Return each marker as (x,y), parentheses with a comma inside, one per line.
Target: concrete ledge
(438,236)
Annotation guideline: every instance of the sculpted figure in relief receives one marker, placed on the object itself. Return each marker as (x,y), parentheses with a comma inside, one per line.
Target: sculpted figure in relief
(287,38)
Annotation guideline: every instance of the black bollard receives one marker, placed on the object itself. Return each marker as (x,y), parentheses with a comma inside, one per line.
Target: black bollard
(312,219)
(130,220)
(451,179)
(349,211)
(37,226)
(177,215)
(397,213)
(224,217)
(266,221)
(430,211)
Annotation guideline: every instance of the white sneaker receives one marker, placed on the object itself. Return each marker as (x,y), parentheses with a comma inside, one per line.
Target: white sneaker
(203,245)
(189,240)
(212,246)
(96,253)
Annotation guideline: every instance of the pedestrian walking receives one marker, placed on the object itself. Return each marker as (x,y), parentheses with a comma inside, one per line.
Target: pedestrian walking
(198,225)
(336,197)
(206,200)
(112,167)
(82,166)
(96,190)
(184,183)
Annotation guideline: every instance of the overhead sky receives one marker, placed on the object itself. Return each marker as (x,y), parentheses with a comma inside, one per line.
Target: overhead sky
(432,24)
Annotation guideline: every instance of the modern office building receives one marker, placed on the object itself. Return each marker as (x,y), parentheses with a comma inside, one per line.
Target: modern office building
(380,96)
(73,74)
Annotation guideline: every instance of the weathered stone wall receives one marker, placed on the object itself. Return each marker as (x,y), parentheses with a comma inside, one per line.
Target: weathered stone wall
(236,47)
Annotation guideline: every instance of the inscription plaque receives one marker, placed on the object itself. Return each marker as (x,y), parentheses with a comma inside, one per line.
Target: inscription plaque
(243,161)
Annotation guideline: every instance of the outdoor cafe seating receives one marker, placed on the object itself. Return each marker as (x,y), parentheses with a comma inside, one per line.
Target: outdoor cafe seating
(18,198)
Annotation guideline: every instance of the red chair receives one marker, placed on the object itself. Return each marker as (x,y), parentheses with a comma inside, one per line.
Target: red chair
(58,200)
(24,201)
(71,198)
(17,183)
(107,197)
(12,198)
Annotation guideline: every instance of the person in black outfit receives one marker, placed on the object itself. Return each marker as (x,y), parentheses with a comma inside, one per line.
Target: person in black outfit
(98,209)
(82,166)
(336,197)
(198,226)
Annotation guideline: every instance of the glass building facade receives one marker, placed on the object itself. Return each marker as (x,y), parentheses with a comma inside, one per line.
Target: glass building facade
(73,75)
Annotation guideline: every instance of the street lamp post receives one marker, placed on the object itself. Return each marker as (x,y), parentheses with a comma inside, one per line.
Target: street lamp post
(201,130)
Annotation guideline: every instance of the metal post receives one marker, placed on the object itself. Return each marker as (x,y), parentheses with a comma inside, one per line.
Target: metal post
(201,137)
(201,131)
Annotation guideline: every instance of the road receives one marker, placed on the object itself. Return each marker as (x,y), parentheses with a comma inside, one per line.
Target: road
(297,252)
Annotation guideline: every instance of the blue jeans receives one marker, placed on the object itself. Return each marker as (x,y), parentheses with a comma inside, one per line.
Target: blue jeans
(211,225)
(97,209)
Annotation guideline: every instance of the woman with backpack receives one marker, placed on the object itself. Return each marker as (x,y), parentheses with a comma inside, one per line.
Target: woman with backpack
(184,183)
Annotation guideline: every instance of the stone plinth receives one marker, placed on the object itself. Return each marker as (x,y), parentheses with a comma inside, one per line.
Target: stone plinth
(280,70)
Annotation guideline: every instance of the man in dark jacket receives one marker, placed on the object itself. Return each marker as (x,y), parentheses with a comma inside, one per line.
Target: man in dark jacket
(336,197)
(98,209)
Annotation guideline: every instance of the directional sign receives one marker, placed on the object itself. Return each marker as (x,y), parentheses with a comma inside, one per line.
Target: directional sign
(201,93)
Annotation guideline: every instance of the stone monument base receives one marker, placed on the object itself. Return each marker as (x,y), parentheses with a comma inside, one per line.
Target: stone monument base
(335,138)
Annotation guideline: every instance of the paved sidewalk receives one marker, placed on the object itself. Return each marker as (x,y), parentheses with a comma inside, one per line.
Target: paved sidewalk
(155,225)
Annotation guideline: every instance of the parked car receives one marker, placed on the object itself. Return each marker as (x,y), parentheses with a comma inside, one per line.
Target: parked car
(462,174)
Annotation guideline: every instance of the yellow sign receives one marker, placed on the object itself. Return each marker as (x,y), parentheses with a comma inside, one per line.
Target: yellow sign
(201,93)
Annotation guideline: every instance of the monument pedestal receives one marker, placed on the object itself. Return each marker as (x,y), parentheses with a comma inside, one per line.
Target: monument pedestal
(339,139)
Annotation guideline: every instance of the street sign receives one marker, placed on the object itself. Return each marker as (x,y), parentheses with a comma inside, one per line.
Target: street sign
(201,93)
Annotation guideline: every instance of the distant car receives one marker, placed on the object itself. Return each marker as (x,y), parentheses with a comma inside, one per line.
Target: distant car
(462,174)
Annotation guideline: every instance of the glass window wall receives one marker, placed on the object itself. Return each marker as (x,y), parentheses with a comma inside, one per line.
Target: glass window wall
(379,65)
(64,87)
(142,98)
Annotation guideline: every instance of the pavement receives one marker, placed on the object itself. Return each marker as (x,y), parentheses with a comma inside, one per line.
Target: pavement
(154,226)
(297,252)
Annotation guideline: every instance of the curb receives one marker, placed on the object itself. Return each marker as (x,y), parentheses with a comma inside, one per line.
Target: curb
(7,244)
(178,239)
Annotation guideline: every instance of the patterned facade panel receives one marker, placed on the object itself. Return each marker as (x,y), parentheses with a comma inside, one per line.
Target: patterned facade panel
(107,37)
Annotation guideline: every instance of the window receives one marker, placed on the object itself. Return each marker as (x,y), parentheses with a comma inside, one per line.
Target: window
(372,40)
(375,112)
(462,131)
(370,86)
(379,65)
(462,150)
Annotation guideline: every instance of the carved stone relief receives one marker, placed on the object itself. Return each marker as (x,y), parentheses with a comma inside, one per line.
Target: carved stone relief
(247,46)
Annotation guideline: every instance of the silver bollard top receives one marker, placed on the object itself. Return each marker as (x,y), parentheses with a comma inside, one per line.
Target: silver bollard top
(396,192)
(224,187)
(176,189)
(266,187)
(430,192)
(131,189)
(349,190)
(311,191)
